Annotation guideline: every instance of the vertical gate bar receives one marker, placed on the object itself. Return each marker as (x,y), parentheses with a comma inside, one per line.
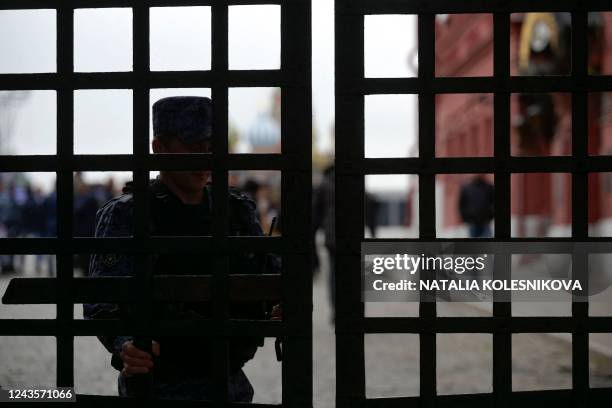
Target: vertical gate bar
(427,194)
(220,222)
(65,135)
(580,310)
(296,296)
(349,205)
(296,197)
(502,340)
(143,305)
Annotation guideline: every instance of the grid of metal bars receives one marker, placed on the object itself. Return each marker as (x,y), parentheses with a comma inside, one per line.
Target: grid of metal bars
(351,166)
(294,79)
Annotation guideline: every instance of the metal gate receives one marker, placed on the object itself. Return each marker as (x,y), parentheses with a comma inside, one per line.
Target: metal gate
(295,286)
(351,166)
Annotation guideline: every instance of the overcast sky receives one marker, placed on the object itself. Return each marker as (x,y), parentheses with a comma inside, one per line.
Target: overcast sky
(180,40)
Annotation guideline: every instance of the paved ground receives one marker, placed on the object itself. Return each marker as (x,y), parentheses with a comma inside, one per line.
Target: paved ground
(392,360)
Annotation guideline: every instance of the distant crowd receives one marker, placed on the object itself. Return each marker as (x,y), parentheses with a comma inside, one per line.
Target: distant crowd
(28,212)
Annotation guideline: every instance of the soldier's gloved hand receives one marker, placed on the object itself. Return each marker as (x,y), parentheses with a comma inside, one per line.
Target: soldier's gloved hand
(277,312)
(136,361)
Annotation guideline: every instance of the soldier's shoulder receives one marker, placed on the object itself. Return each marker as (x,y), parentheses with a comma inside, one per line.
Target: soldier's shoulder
(121,205)
(240,200)
(243,212)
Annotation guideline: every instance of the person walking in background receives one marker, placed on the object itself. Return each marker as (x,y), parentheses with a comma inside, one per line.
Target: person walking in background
(13,222)
(84,215)
(324,203)
(50,226)
(6,260)
(476,206)
(371,213)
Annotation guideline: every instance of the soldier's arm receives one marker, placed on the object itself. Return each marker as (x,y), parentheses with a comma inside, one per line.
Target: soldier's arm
(246,211)
(113,220)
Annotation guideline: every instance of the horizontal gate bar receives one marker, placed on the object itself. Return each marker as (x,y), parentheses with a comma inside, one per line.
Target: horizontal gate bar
(153,162)
(154,79)
(278,245)
(183,327)
(104,401)
(522,244)
(154,245)
(453,165)
(273,78)
(496,246)
(497,324)
(597,397)
(47,4)
(445,85)
(408,165)
(467,6)
(121,289)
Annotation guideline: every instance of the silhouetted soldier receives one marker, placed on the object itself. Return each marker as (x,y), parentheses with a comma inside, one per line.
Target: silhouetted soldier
(180,204)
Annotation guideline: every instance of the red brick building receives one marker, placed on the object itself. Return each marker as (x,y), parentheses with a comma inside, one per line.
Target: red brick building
(541,123)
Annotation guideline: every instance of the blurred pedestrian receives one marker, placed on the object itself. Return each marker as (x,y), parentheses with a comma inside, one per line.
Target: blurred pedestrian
(17,196)
(324,202)
(371,213)
(476,206)
(6,260)
(84,219)
(50,226)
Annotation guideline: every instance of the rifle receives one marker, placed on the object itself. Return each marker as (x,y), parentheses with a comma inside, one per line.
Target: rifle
(278,341)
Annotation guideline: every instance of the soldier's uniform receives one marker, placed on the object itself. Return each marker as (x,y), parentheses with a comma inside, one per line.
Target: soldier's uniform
(183,368)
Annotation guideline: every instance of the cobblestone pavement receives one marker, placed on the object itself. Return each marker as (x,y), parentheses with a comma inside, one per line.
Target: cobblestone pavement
(464,360)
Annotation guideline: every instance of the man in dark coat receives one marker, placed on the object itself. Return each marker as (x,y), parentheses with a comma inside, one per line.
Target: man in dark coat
(324,203)
(476,208)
